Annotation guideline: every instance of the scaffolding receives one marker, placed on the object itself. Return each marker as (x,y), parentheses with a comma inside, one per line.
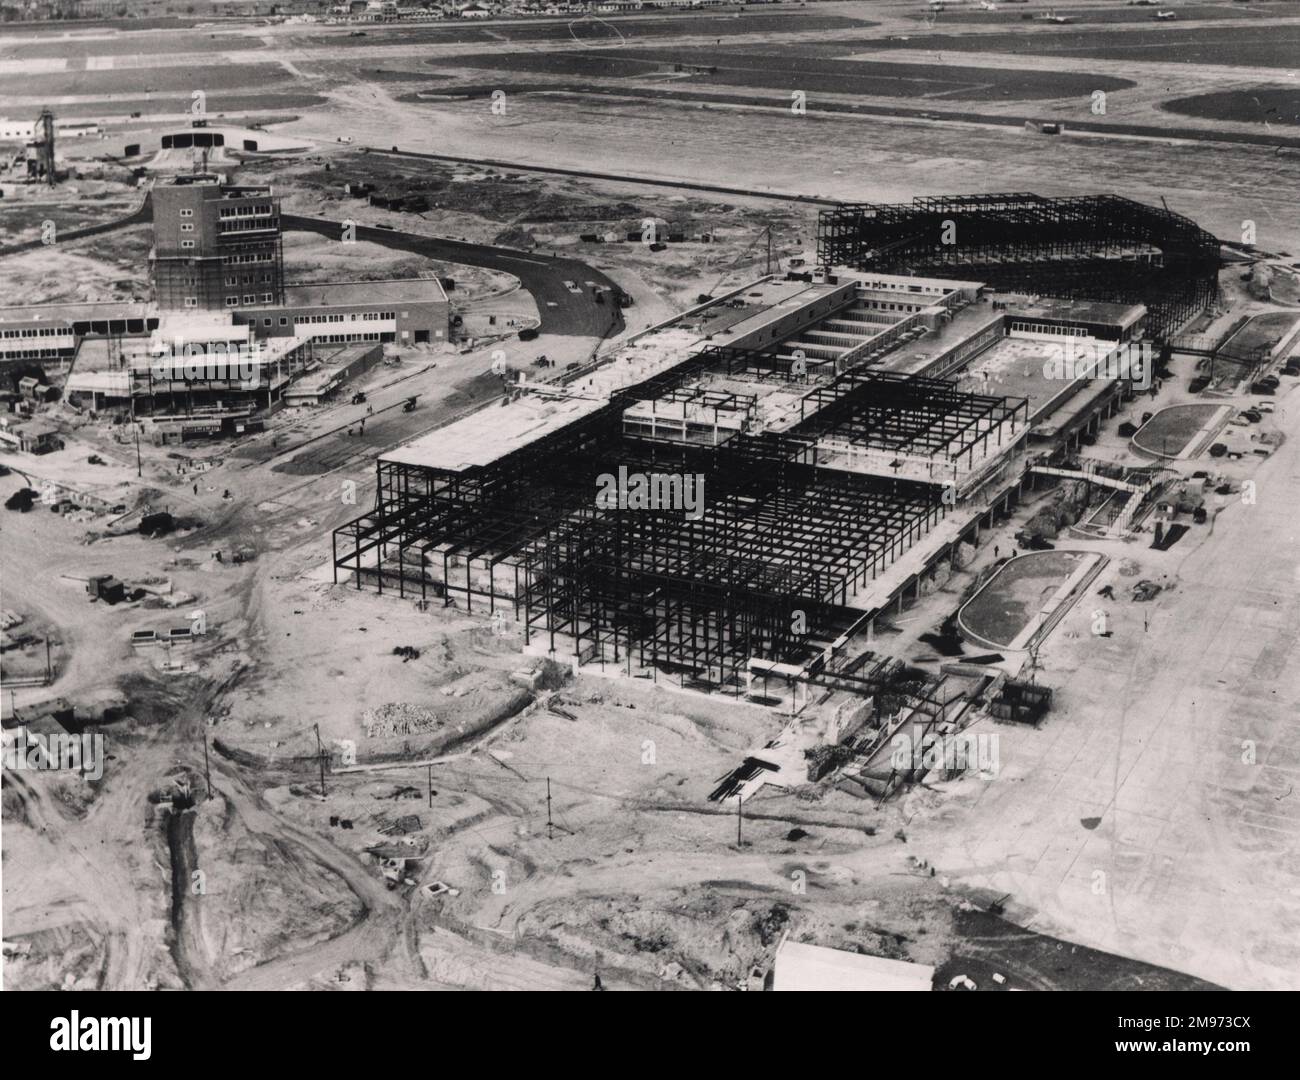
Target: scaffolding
(1100,247)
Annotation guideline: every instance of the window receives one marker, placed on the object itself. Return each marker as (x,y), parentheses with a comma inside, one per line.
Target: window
(187,228)
(187,213)
(266,322)
(191,301)
(187,243)
(284,321)
(250,298)
(266,299)
(232,301)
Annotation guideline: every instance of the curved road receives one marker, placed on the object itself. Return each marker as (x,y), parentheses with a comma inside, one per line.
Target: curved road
(542,275)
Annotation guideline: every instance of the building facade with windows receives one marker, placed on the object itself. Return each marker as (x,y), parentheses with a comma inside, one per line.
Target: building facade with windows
(401,311)
(216,247)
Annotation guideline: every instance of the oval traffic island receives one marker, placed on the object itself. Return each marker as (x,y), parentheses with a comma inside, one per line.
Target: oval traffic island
(1026,597)
(1176,431)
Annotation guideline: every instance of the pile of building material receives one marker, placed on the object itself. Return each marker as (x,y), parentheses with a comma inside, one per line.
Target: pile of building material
(398,718)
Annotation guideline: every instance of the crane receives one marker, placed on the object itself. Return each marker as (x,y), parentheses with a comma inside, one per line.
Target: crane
(766,233)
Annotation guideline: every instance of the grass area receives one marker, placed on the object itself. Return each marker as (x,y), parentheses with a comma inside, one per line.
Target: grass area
(1101,15)
(778,68)
(1009,600)
(1243,46)
(1258,105)
(159,80)
(1170,430)
(1262,332)
(600,31)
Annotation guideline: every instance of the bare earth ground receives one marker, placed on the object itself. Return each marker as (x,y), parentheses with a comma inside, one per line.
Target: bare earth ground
(1148,816)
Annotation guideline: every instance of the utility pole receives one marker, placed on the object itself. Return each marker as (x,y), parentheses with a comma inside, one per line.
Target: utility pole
(769,249)
(430,768)
(139,470)
(320,758)
(49,675)
(550,825)
(740,814)
(207,771)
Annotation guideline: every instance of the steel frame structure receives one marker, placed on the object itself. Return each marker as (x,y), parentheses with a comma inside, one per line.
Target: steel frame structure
(908,414)
(767,569)
(1096,247)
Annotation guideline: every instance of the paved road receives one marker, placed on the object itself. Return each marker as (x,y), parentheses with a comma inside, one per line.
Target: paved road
(589,174)
(543,276)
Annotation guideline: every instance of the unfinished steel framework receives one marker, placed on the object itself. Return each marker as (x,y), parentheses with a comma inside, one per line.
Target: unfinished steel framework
(1098,247)
(767,566)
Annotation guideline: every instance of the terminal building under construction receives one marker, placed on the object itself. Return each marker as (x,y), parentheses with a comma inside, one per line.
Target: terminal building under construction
(744,489)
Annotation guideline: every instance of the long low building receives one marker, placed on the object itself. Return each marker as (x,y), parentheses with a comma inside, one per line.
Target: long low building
(404,311)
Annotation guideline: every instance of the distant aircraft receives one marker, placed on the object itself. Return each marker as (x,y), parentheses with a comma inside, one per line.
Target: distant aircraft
(988,5)
(1165,15)
(1053,17)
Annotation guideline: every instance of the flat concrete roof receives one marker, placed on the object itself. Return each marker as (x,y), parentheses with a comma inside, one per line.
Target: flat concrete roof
(1087,311)
(49,313)
(384,291)
(483,437)
(776,302)
(493,432)
(1014,367)
(914,357)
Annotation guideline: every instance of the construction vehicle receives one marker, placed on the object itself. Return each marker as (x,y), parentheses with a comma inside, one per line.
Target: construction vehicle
(359,398)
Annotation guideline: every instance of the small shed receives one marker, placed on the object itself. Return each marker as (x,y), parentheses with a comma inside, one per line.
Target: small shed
(814,967)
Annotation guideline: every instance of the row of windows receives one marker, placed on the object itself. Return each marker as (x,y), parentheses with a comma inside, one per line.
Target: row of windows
(34,354)
(249,298)
(38,331)
(367,316)
(255,257)
(335,339)
(249,279)
(1048,328)
(247,210)
(250,224)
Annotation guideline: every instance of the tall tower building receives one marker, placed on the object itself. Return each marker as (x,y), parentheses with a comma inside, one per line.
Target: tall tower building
(216,247)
